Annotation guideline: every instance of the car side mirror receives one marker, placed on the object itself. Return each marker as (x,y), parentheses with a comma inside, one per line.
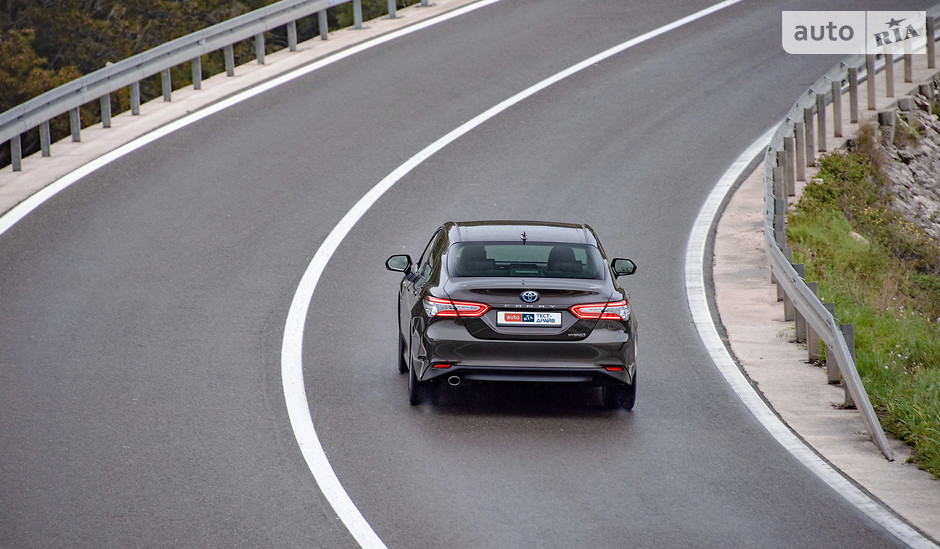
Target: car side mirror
(398,263)
(622,266)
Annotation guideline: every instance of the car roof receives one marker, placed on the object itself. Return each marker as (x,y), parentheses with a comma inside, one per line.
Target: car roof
(508,231)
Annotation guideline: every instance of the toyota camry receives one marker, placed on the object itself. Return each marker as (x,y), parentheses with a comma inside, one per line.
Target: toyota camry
(516,301)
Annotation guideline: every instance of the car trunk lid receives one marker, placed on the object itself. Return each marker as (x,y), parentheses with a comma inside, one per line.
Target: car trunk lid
(528,308)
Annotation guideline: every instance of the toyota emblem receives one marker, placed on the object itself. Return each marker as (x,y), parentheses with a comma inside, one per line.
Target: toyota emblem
(530,296)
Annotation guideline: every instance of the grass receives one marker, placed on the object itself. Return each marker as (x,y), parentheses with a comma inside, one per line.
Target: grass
(883,274)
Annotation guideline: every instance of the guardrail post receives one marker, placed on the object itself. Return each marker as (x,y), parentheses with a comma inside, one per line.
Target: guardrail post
(780,227)
(889,74)
(135,98)
(837,108)
(229,53)
(45,138)
(778,181)
(870,80)
(833,375)
(357,14)
(799,135)
(821,120)
(931,45)
(75,122)
(777,173)
(784,172)
(292,36)
(424,3)
(927,91)
(853,95)
(789,310)
(788,306)
(848,333)
(886,126)
(324,29)
(811,335)
(16,153)
(780,177)
(259,48)
(106,111)
(166,84)
(906,106)
(813,339)
(810,138)
(392,13)
(790,159)
(799,322)
(197,73)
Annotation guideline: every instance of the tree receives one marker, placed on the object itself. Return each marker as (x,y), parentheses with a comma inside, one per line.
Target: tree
(23,77)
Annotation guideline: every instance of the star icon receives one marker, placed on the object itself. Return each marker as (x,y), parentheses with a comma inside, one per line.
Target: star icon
(894,23)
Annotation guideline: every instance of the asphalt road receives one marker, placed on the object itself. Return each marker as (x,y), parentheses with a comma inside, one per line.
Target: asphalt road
(143,309)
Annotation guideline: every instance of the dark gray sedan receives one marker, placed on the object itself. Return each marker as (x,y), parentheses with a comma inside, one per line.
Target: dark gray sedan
(496,301)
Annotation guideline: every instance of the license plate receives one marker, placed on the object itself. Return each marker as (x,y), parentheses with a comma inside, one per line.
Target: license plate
(512,318)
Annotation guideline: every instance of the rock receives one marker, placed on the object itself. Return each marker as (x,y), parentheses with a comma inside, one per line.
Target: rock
(859,237)
(914,173)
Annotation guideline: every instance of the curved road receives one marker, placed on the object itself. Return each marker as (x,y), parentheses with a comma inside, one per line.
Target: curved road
(143,309)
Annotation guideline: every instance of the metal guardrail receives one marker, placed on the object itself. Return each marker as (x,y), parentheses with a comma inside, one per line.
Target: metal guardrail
(792,148)
(98,85)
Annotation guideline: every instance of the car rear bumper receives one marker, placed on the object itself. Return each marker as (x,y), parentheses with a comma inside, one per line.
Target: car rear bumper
(605,357)
(473,373)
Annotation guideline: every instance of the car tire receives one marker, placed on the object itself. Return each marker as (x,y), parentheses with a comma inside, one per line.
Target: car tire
(416,389)
(402,363)
(620,396)
(629,395)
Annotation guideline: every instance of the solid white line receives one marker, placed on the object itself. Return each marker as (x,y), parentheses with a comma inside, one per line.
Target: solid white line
(695,262)
(291,351)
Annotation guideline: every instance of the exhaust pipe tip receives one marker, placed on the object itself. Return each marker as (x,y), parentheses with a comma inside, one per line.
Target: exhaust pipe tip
(453,381)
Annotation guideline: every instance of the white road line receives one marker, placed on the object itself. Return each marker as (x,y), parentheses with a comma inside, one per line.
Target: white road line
(291,351)
(695,262)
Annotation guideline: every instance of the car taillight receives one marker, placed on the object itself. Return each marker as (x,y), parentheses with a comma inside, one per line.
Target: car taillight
(434,306)
(614,310)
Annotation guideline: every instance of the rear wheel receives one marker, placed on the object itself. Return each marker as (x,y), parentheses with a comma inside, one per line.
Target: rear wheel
(620,396)
(416,390)
(402,364)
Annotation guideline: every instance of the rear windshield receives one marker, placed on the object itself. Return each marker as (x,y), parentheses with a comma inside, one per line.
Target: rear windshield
(532,260)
